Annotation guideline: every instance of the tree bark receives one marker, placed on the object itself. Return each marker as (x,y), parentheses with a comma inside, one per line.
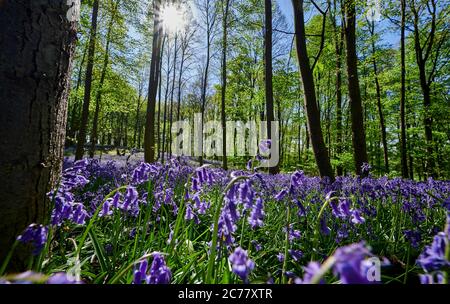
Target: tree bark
(379,104)
(312,110)
(37,42)
(223,115)
(149,144)
(403,143)
(81,141)
(339,46)
(98,97)
(358,131)
(269,75)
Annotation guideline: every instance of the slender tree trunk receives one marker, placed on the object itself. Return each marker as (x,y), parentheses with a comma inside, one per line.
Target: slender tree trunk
(160,100)
(403,140)
(98,97)
(87,84)
(74,119)
(172,92)
(224,82)
(37,42)
(166,97)
(138,121)
(180,81)
(149,141)
(358,131)
(268,76)
(379,104)
(312,111)
(338,46)
(423,55)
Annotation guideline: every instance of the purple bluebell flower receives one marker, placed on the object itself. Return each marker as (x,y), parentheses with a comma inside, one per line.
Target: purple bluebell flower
(280,257)
(257,215)
(36,235)
(159,272)
(432,279)
(414,237)
(258,246)
(324,229)
(349,266)
(356,217)
(296,255)
(131,201)
(241,264)
(140,272)
(281,195)
(310,271)
(433,257)
(62,278)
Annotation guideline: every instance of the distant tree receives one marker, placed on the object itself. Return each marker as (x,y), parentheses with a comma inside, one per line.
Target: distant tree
(81,140)
(354,91)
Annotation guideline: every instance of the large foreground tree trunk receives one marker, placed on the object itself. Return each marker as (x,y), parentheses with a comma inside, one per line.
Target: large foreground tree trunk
(37,41)
(311,107)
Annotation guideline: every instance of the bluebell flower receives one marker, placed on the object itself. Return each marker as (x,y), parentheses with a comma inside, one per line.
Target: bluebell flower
(140,272)
(257,214)
(159,272)
(62,278)
(36,235)
(280,257)
(241,264)
(349,266)
(296,254)
(433,257)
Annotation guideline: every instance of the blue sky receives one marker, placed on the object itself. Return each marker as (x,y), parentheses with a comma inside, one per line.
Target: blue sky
(388,37)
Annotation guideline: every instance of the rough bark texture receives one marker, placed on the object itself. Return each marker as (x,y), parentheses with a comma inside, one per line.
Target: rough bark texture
(358,131)
(269,75)
(37,41)
(149,144)
(81,140)
(311,107)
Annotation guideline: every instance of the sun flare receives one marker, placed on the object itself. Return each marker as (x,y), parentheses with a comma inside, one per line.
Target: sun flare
(173,18)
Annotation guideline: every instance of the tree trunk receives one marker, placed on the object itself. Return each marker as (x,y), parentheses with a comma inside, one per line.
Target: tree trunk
(149,143)
(166,96)
(172,92)
(73,123)
(312,111)
(339,46)
(37,42)
(138,120)
(224,83)
(358,132)
(379,104)
(268,76)
(81,141)
(98,97)
(403,143)
(160,99)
